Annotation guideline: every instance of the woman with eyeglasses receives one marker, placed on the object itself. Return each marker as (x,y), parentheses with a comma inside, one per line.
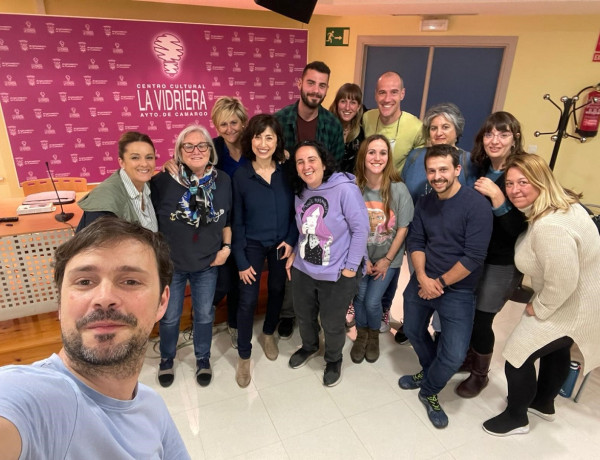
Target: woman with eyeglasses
(498,140)
(263,228)
(229,116)
(193,209)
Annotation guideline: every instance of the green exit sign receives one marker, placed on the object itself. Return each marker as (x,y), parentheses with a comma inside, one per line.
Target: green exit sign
(337,36)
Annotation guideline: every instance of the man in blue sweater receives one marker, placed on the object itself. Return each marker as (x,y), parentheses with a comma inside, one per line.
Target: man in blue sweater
(447,242)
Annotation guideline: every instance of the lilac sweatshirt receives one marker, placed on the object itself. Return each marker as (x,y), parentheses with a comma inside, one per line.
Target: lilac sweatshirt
(334,225)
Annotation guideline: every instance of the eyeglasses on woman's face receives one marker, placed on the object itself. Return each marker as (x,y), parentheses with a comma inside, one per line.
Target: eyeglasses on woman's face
(503,136)
(189,148)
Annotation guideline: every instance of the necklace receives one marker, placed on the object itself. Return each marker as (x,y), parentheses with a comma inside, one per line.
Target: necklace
(397,126)
(391,140)
(346,132)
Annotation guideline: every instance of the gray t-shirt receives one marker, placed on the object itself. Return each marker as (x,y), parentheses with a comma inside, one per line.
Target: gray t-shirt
(58,416)
(382,231)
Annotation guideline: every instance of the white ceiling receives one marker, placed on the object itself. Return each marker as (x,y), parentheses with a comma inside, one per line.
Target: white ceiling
(422,7)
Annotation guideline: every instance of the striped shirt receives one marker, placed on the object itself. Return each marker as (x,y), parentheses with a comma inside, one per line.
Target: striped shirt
(147,216)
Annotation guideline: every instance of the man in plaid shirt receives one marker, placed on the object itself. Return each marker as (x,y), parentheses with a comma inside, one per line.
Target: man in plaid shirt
(307,119)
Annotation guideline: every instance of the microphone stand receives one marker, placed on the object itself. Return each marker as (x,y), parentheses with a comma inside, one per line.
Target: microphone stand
(62,216)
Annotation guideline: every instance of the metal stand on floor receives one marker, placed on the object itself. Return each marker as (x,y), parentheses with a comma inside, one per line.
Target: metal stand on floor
(569,109)
(581,386)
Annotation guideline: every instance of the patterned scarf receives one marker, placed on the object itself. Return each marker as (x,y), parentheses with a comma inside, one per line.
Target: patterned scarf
(195,206)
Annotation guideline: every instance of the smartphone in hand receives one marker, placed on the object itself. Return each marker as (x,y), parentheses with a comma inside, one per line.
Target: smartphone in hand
(280,252)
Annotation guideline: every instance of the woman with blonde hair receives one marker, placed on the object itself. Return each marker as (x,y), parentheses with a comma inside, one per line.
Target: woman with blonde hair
(560,251)
(390,209)
(348,108)
(230,119)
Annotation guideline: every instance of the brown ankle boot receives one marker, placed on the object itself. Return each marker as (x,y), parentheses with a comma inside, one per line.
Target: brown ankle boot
(372,351)
(271,348)
(357,354)
(478,379)
(242,373)
(468,362)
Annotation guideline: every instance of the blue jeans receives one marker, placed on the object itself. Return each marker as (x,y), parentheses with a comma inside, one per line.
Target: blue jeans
(202,286)
(390,292)
(256,254)
(456,309)
(367,303)
(228,284)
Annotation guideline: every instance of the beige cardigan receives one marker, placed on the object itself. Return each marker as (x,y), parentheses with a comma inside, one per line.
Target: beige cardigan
(561,254)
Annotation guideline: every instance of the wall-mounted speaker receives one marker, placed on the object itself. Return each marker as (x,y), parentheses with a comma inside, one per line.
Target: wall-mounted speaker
(300,10)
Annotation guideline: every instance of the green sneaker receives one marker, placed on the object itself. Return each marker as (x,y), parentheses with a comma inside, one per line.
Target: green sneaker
(411,382)
(436,414)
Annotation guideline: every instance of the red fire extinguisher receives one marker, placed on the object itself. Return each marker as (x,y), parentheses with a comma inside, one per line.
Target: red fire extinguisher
(588,124)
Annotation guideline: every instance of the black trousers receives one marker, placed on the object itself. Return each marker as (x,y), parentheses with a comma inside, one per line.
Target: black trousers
(328,300)
(525,390)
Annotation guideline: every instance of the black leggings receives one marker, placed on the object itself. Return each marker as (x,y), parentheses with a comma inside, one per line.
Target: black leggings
(482,337)
(523,389)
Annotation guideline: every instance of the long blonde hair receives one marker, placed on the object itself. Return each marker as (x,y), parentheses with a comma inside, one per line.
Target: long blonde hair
(388,175)
(553,197)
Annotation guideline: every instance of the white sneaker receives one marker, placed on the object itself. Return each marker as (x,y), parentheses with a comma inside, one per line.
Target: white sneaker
(385,322)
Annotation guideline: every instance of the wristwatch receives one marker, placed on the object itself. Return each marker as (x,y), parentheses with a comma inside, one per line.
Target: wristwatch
(441,280)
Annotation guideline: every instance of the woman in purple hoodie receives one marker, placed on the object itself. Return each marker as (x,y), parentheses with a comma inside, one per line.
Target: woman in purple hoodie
(328,260)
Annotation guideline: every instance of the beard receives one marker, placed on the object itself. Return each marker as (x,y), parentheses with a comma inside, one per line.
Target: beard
(105,358)
(446,183)
(308,102)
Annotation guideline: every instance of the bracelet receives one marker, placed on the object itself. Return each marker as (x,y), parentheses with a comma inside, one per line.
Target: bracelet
(226,245)
(441,280)
(388,259)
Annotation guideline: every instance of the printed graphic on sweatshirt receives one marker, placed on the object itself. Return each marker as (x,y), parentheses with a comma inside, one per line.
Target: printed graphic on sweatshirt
(381,232)
(315,237)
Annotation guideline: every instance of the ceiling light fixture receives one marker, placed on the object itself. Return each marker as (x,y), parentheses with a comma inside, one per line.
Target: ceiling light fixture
(434,25)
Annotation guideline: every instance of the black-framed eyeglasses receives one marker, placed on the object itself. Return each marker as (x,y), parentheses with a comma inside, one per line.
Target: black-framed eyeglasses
(202,147)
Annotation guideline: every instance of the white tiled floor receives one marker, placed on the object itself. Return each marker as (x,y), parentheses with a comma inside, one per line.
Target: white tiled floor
(289,414)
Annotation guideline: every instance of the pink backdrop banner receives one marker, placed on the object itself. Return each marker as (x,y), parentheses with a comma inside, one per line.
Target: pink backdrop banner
(69,87)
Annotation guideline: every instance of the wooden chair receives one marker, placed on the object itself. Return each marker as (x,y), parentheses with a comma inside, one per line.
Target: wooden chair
(76,184)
